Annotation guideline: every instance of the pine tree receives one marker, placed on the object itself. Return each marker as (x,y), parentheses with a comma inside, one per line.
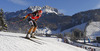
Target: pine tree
(2,21)
(1,12)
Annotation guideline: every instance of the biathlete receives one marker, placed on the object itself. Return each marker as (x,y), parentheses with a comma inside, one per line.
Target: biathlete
(33,17)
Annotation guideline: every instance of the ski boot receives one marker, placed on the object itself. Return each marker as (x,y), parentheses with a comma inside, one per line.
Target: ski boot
(27,36)
(32,35)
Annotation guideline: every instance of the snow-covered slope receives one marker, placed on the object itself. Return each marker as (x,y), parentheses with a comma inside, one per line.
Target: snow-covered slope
(15,42)
(81,27)
(48,31)
(93,30)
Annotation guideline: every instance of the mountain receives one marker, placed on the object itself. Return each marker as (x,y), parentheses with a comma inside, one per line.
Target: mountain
(16,42)
(85,16)
(51,18)
(21,13)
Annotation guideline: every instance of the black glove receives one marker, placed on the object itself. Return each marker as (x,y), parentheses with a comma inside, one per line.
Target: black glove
(23,17)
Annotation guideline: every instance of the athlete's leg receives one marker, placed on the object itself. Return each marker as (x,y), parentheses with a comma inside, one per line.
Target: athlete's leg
(29,32)
(34,29)
(31,29)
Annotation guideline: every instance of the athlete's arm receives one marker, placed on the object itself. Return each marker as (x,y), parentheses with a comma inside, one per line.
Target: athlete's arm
(27,16)
(36,19)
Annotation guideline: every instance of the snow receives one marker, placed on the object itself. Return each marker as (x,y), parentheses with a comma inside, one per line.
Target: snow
(46,9)
(88,46)
(95,44)
(49,11)
(48,31)
(83,45)
(34,8)
(93,30)
(82,41)
(81,27)
(44,30)
(14,42)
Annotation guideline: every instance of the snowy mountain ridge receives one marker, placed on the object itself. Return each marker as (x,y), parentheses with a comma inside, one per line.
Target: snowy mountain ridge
(30,9)
(46,9)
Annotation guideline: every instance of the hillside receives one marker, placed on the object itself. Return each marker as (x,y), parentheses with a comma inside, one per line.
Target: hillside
(80,27)
(93,30)
(15,42)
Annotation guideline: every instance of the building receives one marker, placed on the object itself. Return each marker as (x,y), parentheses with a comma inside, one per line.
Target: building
(98,39)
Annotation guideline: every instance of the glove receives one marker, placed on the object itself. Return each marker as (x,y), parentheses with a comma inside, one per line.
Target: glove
(23,17)
(36,19)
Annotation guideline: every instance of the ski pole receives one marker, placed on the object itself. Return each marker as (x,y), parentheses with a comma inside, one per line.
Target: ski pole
(18,21)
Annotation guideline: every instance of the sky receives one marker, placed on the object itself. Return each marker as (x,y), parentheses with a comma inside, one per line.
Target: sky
(68,7)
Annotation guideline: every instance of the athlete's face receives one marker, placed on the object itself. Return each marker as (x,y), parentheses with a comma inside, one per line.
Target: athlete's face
(40,13)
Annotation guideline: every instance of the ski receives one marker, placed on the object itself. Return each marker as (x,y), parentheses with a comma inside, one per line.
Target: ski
(36,38)
(33,40)
(39,40)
